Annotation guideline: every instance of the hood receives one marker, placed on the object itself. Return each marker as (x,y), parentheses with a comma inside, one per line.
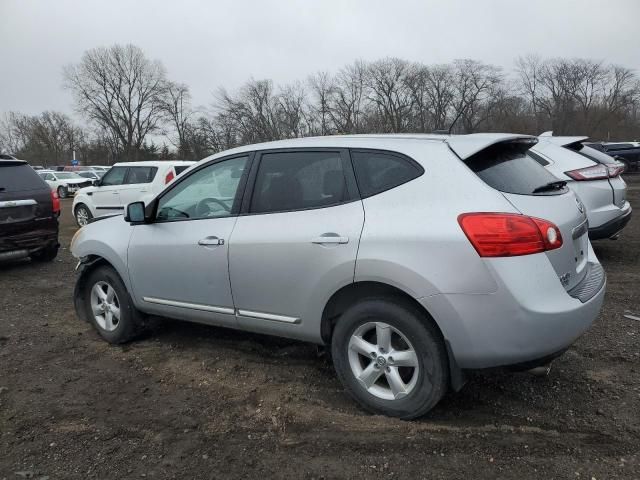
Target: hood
(75,180)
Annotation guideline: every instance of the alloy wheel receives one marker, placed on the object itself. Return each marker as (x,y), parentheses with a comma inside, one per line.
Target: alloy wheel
(383,360)
(105,306)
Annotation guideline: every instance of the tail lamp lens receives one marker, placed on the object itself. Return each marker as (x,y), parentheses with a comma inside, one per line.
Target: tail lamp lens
(55,202)
(509,234)
(170,176)
(597,172)
(615,169)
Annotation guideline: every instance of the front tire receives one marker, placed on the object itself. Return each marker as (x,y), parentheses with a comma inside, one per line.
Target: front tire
(390,358)
(62,191)
(82,215)
(109,307)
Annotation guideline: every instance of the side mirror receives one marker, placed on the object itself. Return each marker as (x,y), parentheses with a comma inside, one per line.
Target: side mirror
(135,213)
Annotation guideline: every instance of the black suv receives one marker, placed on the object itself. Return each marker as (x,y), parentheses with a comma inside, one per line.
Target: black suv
(627,153)
(29,213)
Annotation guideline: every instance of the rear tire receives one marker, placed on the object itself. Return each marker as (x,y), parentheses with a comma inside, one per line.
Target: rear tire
(82,215)
(62,192)
(365,340)
(47,254)
(109,307)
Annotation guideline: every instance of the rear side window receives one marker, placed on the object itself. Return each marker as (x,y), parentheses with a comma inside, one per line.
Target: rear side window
(115,176)
(510,170)
(16,178)
(140,175)
(298,181)
(380,171)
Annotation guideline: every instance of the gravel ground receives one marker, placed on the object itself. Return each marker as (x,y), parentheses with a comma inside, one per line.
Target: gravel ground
(190,401)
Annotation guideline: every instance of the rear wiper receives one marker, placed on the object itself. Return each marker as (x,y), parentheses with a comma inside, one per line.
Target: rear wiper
(557,185)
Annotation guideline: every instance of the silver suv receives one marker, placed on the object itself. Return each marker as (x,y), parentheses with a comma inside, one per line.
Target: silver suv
(414,257)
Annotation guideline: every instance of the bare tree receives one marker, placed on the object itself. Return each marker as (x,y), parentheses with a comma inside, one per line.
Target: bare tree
(322,89)
(176,104)
(122,91)
(347,103)
(389,93)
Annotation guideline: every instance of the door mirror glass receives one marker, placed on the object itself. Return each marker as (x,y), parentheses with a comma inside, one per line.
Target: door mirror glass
(135,213)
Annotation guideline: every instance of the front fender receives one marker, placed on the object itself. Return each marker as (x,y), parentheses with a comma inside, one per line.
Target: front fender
(107,239)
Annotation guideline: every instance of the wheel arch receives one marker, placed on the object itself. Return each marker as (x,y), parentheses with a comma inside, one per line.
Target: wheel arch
(357,291)
(87,265)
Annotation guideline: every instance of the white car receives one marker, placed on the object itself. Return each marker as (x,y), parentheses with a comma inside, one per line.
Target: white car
(124,183)
(64,183)
(593,176)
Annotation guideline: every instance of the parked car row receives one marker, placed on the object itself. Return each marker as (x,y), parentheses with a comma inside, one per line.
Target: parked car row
(411,257)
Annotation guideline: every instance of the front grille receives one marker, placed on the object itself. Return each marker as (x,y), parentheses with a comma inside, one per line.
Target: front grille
(591,284)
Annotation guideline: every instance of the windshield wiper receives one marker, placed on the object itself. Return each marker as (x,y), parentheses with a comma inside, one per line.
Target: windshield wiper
(557,185)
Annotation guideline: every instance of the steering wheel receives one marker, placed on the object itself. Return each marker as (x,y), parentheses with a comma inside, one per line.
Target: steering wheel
(202,208)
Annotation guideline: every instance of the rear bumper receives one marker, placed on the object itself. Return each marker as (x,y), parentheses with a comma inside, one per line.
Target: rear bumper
(27,240)
(611,228)
(531,316)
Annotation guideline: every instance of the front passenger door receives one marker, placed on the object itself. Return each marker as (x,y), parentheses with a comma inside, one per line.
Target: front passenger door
(178,264)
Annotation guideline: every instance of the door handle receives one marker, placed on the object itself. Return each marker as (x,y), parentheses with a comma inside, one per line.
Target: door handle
(114,193)
(207,241)
(330,238)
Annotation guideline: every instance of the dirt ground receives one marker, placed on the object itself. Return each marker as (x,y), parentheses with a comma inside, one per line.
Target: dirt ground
(191,401)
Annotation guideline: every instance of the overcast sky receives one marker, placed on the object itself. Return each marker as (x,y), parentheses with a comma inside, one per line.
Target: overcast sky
(208,44)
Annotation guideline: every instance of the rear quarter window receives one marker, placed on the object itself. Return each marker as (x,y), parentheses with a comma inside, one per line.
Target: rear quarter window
(16,178)
(378,171)
(509,169)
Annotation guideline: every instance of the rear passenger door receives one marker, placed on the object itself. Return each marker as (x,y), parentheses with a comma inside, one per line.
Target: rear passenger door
(296,240)
(137,184)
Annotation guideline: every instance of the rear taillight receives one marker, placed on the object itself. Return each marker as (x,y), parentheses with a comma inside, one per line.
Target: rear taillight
(509,234)
(597,172)
(170,176)
(55,202)
(615,169)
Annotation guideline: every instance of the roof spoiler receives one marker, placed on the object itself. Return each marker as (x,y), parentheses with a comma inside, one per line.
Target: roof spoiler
(561,141)
(466,146)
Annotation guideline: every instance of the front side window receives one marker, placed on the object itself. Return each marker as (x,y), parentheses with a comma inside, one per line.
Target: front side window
(298,181)
(115,176)
(207,193)
(380,171)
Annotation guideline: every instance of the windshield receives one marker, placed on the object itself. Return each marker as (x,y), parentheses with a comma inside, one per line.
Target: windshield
(67,175)
(87,174)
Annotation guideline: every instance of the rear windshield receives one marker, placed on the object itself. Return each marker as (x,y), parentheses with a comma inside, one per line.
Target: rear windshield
(510,170)
(15,178)
(180,168)
(591,153)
